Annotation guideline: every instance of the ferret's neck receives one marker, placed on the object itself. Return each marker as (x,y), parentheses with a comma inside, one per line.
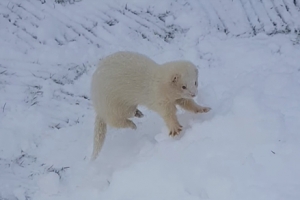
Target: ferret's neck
(163,77)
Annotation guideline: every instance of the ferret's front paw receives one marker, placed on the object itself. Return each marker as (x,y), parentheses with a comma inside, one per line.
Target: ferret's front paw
(201,109)
(175,130)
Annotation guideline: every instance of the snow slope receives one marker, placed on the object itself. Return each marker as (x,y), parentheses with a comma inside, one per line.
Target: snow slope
(247,147)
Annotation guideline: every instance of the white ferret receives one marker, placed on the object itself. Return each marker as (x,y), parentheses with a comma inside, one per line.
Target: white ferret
(125,80)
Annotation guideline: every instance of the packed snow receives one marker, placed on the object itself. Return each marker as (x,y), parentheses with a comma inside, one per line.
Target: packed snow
(247,147)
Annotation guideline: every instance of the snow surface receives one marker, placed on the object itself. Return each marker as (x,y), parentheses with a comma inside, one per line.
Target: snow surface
(246,147)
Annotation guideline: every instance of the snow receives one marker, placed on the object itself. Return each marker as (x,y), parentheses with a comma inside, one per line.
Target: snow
(246,147)
(49,183)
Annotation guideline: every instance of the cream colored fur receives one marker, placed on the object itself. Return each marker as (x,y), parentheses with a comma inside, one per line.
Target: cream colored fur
(125,80)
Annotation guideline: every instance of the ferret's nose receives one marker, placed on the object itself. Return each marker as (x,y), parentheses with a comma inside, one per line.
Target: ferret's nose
(193,95)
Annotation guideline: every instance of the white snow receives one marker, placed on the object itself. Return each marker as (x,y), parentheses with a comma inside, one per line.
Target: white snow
(49,183)
(247,147)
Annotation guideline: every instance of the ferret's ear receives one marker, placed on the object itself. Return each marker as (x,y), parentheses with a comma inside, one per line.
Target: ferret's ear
(175,78)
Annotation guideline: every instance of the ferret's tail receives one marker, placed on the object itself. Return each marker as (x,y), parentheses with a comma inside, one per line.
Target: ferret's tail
(99,136)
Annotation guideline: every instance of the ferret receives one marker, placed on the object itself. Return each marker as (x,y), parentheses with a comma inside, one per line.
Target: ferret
(124,80)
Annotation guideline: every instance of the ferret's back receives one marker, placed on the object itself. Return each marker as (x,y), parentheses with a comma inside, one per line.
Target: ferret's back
(122,66)
(126,59)
(124,74)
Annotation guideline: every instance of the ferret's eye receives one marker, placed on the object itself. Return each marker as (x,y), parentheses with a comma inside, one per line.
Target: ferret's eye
(184,87)
(196,83)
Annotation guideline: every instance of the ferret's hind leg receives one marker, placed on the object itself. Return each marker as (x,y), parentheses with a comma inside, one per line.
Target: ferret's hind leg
(119,114)
(133,112)
(138,113)
(121,123)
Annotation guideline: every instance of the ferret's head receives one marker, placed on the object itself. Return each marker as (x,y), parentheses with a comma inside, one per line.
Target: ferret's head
(184,79)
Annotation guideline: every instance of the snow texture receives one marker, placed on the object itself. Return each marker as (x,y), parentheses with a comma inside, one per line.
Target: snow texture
(247,147)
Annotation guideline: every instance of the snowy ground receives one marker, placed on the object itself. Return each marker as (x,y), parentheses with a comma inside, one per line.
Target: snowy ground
(247,147)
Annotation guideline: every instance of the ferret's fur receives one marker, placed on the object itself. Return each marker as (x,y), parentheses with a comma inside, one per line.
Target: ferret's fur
(125,80)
